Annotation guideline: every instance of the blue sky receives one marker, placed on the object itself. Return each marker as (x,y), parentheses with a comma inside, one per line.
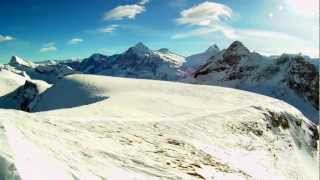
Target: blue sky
(60,29)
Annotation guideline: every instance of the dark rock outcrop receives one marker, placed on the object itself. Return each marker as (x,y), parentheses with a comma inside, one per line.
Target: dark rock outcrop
(27,96)
(303,78)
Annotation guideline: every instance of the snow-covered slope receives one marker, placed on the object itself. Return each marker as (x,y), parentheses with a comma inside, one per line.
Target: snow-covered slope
(292,78)
(170,56)
(144,129)
(9,81)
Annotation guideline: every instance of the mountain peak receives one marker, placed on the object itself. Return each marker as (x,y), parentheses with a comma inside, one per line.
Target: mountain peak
(15,60)
(237,48)
(141,46)
(139,49)
(213,48)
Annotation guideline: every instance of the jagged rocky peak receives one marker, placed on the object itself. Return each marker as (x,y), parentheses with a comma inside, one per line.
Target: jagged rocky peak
(139,49)
(213,48)
(237,49)
(17,61)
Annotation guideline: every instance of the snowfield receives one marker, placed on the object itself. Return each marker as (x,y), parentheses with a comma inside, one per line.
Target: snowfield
(91,127)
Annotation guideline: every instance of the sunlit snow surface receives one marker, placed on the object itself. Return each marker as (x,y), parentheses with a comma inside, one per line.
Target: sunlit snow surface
(122,128)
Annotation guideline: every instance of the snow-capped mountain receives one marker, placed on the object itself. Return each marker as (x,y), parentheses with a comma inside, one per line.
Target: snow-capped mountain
(99,127)
(196,60)
(21,63)
(137,62)
(292,78)
(49,71)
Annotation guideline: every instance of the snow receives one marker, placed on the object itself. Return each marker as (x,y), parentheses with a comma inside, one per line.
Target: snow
(9,82)
(45,168)
(17,61)
(169,56)
(145,129)
(196,60)
(237,67)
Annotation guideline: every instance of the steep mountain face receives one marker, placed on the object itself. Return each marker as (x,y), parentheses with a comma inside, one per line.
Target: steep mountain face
(292,78)
(93,64)
(194,61)
(137,62)
(303,78)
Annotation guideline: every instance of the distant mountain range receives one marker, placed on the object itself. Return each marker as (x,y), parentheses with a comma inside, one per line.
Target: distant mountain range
(292,78)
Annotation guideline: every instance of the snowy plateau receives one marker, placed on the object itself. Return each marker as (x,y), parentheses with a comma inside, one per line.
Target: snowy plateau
(227,114)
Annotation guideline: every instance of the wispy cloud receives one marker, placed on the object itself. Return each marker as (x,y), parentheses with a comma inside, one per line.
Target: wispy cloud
(75,41)
(209,17)
(205,14)
(206,17)
(126,11)
(227,31)
(109,29)
(5,38)
(48,49)
(143,2)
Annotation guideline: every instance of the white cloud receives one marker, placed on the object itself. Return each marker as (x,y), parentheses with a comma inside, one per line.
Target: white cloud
(143,2)
(125,11)
(5,38)
(48,49)
(208,17)
(205,14)
(75,41)
(109,29)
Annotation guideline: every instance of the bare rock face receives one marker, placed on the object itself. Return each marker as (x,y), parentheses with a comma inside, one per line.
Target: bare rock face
(228,61)
(234,53)
(28,96)
(303,78)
